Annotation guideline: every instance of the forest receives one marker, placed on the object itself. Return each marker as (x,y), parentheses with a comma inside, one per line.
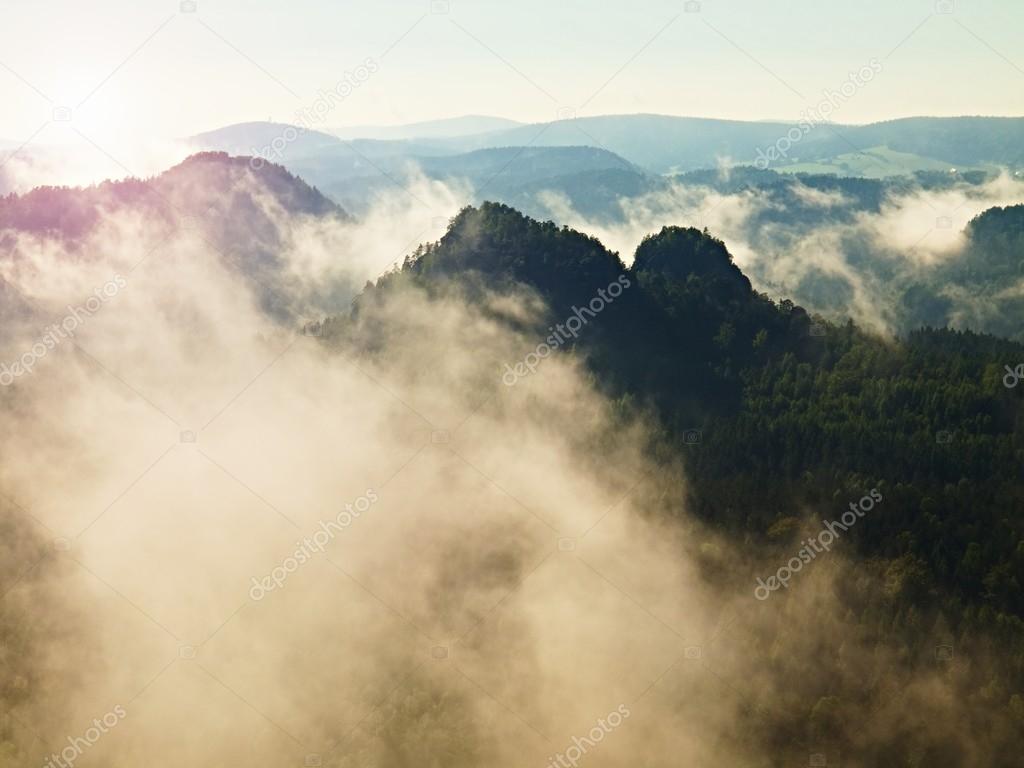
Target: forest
(772,412)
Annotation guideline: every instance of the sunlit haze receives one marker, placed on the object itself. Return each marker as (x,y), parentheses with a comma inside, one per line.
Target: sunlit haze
(137,70)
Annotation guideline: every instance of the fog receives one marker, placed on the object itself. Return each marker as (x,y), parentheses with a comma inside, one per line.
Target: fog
(841,266)
(521,566)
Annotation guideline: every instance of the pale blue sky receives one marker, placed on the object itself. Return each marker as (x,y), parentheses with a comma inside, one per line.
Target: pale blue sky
(232,60)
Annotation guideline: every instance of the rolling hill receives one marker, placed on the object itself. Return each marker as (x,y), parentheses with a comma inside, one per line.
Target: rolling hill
(452,127)
(658,144)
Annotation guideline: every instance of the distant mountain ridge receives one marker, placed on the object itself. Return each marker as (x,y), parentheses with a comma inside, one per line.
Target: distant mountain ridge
(261,138)
(662,143)
(665,144)
(452,127)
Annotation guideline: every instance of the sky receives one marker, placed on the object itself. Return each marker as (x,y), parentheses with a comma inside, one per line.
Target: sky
(130,71)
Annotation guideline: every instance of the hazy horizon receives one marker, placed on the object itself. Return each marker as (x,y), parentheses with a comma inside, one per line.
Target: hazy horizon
(332,129)
(141,71)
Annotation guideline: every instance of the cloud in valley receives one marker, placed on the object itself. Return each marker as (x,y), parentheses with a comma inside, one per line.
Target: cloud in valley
(527,566)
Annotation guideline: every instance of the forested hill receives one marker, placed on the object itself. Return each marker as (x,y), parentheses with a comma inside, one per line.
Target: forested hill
(773,412)
(995,248)
(241,210)
(211,188)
